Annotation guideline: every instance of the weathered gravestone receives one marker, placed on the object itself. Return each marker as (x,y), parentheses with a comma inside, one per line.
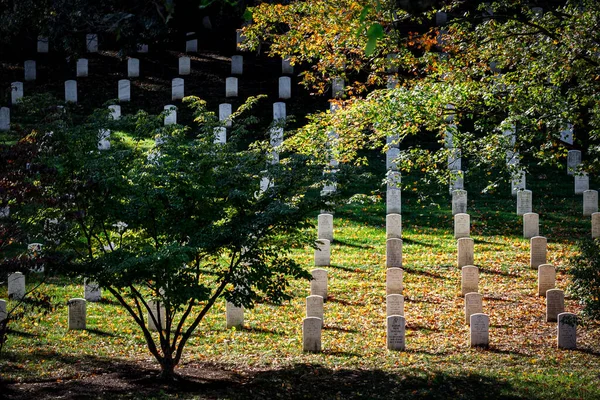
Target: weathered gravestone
(231,87)
(103,139)
(473,305)
(285,87)
(115,112)
(531,225)
(566,134)
(462,226)
(170,114)
(393,280)
(91,41)
(318,283)
(77,314)
(573,161)
(311,334)
(156,315)
(237,65)
(459,202)
(91,291)
(323,253)
(391,155)
(393,201)
(546,278)
(465,248)
(537,253)
(524,202)
(469,279)
(191,44)
(596,225)
(518,183)
(457,181)
(394,304)
(220,134)
(393,226)
(133,67)
(325,227)
(71,91)
(234,315)
(30,70)
(185,65)
(3,313)
(480,330)
(314,307)
(286,67)
(16,286)
(177,89)
(555,304)
(393,253)
(396,328)
(4,118)
(81,68)
(42,44)
(16,92)
(566,337)
(124,87)
(590,202)
(225,114)
(582,182)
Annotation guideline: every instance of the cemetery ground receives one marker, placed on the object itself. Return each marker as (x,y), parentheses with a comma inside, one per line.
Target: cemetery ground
(264,359)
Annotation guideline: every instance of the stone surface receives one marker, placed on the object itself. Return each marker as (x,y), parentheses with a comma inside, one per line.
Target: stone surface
(590,202)
(396,329)
(454,160)
(546,278)
(191,45)
(337,88)
(16,92)
(469,279)
(524,202)
(103,139)
(566,134)
(518,183)
(596,225)
(3,312)
(124,88)
(393,253)
(394,280)
(566,336)
(285,87)
(394,304)
(234,315)
(286,67)
(133,67)
(91,291)
(16,286)
(393,201)
(393,226)
(531,225)
(30,70)
(115,112)
(311,334)
(237,65)
(81,68)
(462,226)
(42,44)
(91,41)
(537,251)
(77,314)
(225,113)
(323,253)
(314,307)
(71,91)
(220,135)
(457,181)
(325,227)
(185,65)
(473,305)
(573,161)
(157,311)
(279,111)
(582,183)
(393,180)
(318,283)
(231,87)
(459,202)
(177,89)
(465,247)
(555,304)
(4,118)
(170,114)
(480,330)
(391,155)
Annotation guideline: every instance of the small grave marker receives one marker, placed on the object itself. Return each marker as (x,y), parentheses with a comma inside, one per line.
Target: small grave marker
(546,278)
(231,87)
(16,286)
(555,304)
(465,248)
(318,283)
(469,279)
(124,86)
(396,328)
(323,253)
(82,68)
(393,281)
(524,202)
(567,331)
(538,247)
(393,226)
(325,227)
(285,87)
(531,225)
(314,307)
(311,334)
(480,330)
(394,304)
(473,305)
(234,315)
(590,202)
(459,202)
(77,314)
(462,226)
(71,91)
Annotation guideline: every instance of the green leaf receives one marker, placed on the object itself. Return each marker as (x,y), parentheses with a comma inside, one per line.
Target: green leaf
(374,32)
(248,15)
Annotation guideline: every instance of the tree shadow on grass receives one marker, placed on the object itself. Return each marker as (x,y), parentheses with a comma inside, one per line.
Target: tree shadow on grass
(350,244)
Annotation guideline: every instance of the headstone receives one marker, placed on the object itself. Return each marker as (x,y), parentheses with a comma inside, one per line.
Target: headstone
(142,48)
(133,67)
(286,67)
(524,202)
(469,279)
(225,113)
(323,253)
(518,183)
(103,139)
(191,45)
(454,160)
(567,331)
(157,311)
(566,135)
(590,202)
(394,304)
(596,225)
(234,315)
(170,114)
(124,90)
(394,280)
(582,183)
(30,70)
(16,286)
(185,65)
(393,201)
(393,180)
(3,313)
(337,88)
(220,135)
(71,91)
(396,328)
(393,253)
(314,307)
(462,226)
(91,41)
(393,226)
(546,278)
(441,18)
(4,118)
(538,245)
(480,330)
(457,181)
(573,161)
(325,227)
(92,291)
(473,305)
(42,44)
(237,65)
(459,202)
(285,87)
(279,111)
(82,68)
(318,283)
(77,314)
(16,92)
(311,334)
(465,251)
(531,225)
(231,87)
(391,155)
(555,304)
(115,112)
(177,89)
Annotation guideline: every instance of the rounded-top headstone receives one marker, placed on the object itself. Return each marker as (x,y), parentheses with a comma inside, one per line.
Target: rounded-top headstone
(538,250)
(325,227)
(546,278)
(393,253)
(318,283)
(480,330)
(567,331)
(393,226)
(473,305)
(465,247)
(311,334)
(531,225)
(396,329)
(77,314)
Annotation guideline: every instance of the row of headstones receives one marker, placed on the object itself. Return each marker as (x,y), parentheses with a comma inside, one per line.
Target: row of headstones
(17,288)
(537,251)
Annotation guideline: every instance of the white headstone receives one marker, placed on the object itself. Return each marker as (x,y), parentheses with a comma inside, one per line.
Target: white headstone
(318,283)
(396,329)
(531,225)
(314,307)
(524,202)
(42,44)
(337,88)
(4,118)
(457,181)
(311,334)
(555,304)
(566,135)
(473,305)
(538,245)
(394,280)
(465,251)
(103,139)
(177,89)
(3,313)
(157,311)
(393,253)
(394,304)
(518,183)
(92,291)
(82,68)
(191,45)
(285,87)
(480,330)
(393,201)
(596,225)
(77,314)
(323,253)
(582,183)
(220,134)
(459,202)
(546,278)
(325,227)
(462,226)
(234,315)
(16,92)
(231,87)
(225,113)
(115,112)
(133,67)
(279,111)
(237,65)
(393,226)
(590,202)
(16,286)
(573,161)
(124,90)
(71,91)
(91,41)
(30,70)
(391,155)
(170,114)
(286,67)
(454,160)
(469,279)
(185,65)
(567,331)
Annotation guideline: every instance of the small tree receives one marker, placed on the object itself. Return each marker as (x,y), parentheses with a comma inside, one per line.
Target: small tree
(168,215)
